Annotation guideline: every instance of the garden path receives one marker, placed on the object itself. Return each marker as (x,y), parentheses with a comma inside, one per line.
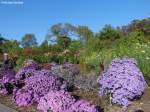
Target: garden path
(4,108)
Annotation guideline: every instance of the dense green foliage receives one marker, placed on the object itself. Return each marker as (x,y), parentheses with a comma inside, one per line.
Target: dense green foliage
(28,40)
(80,45)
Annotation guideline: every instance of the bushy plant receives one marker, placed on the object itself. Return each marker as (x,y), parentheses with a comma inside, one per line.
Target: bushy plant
(123,81)
(42,59)
(19,62)
(71,73)
(61,101)
(68,72)
(72,68)
(40,83)
(86,81)
(56,101)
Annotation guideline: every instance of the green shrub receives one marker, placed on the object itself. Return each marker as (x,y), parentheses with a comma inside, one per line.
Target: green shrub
(42,59)
(19,62)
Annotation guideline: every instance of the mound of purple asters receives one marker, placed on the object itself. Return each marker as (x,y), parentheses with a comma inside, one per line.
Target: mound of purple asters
(82,106)
(123,80)
(56,101)
(40,84)
(22,97)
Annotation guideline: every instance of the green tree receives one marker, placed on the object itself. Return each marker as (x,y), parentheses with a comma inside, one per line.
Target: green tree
(61,34)
(137,25)
(75,45)
(63,41)
(108,32)
(84,33)
(12,47)
(44,44)
(28,40)
(60,30)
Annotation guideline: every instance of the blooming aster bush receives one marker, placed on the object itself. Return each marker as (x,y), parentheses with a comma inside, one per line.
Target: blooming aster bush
(56,101)
(123,80)
(40,83)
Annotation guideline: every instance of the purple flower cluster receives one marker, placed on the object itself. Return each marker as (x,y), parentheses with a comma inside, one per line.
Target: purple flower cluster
(56,101)
(22,97)
(8,76)
(33,84)
(62,101)
(40,83)
(123,80)
(7,79)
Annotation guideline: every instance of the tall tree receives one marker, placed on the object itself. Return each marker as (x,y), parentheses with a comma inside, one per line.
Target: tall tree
(44,46)
(61,34)
(84,33)
(60,30)
(138,25)
(63,41)
(28,40)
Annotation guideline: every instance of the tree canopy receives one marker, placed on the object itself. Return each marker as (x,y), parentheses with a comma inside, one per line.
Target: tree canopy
(28,40)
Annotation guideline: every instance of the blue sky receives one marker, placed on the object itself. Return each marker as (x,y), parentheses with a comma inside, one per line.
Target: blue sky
(36,16)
